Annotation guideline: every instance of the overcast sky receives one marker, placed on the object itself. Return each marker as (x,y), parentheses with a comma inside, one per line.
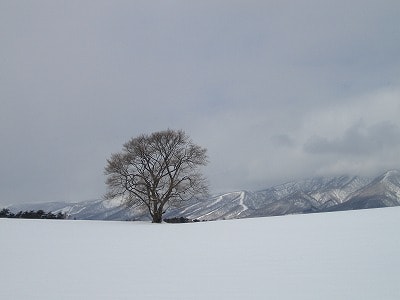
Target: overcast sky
(275,90)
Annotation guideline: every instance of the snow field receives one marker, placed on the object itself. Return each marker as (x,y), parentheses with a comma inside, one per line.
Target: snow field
(343,255)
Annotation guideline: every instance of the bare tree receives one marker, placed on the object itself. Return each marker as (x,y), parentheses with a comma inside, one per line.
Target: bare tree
(157,171)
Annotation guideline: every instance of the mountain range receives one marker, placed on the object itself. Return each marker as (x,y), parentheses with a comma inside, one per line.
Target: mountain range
(319,194)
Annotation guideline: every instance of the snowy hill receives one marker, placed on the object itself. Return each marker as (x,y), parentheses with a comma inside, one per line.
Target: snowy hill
(305,196)
(383,191)
(341,255)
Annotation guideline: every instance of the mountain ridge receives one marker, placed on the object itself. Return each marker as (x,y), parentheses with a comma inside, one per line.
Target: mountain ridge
(318,194)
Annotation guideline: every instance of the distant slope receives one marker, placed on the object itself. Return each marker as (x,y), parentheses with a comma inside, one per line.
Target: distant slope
(321,194)
(99,209)
(383,191)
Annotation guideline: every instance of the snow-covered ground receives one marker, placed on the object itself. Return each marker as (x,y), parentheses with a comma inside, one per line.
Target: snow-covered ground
(343,255)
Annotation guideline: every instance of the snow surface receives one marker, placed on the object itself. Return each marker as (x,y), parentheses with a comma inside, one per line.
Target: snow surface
(342,255)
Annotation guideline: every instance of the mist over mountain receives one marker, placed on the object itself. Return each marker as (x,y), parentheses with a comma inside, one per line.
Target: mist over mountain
(320,194)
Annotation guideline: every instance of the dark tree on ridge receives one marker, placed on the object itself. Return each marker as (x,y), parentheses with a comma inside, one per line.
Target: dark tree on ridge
(157,171)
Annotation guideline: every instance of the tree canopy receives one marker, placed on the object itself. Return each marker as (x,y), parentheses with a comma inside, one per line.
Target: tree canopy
(158,171)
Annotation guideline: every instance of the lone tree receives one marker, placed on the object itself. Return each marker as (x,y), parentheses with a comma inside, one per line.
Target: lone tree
(157,171)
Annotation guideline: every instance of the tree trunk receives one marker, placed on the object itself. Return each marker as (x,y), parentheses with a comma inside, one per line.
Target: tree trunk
(157,217)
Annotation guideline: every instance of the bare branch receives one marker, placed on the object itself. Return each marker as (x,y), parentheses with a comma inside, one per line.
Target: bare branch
(157,171)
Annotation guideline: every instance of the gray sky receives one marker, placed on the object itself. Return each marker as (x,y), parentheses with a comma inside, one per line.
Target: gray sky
(276,90)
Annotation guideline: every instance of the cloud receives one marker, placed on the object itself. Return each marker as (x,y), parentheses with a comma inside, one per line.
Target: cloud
(357,140)
(282,140)
(252,82)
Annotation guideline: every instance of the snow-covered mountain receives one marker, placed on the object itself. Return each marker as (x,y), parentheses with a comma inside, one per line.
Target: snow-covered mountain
(383,191)
(304,196)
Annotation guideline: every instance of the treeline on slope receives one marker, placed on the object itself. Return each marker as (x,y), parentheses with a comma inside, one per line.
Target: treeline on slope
(39,214)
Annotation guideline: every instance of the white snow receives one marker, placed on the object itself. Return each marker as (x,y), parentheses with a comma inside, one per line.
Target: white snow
(114,202)
(241,202)
(345,255)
